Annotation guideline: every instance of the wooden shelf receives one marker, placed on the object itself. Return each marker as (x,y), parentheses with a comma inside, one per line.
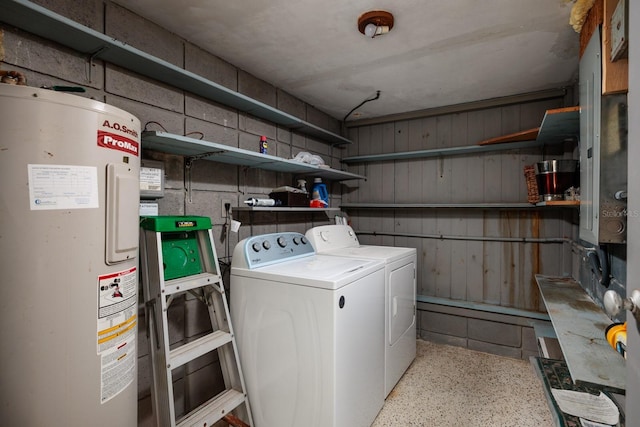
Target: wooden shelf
(452,205)
(329,212)
(186,146)
(283,209)
(580,327)
(525,135)
(559,203)
(558,126)
(439,152)
(45,23)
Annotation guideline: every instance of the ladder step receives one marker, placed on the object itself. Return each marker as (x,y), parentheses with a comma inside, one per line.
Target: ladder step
(183,284)
(194,349)
(213,410)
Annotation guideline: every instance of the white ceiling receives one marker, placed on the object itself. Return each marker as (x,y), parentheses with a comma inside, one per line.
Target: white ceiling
(438,53)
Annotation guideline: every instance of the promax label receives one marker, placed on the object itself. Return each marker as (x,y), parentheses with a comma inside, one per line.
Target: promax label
(117,142)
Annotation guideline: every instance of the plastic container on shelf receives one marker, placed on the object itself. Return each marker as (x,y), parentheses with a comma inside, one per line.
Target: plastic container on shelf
(263,144)
(319,194)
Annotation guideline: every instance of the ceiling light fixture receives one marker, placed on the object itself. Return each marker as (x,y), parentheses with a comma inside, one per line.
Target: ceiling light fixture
(375,23)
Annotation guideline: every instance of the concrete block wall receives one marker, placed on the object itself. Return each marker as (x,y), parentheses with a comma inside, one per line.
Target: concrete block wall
(496,333)
(204,186)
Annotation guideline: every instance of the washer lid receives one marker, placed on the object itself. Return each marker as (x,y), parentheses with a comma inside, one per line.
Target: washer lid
(318,271)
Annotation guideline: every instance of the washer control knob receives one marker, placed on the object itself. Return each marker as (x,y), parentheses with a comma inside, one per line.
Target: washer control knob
(266,245)
(304,240)
(256,247)
(282,242)
(296,241)
(324,236)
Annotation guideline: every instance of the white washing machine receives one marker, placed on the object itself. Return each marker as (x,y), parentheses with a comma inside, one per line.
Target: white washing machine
(400,292)
(309,330)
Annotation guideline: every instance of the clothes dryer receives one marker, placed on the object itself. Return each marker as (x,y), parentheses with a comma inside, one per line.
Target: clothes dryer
(400,292)
(309,330)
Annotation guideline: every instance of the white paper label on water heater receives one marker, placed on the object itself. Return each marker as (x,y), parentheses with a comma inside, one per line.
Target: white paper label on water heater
(63,187)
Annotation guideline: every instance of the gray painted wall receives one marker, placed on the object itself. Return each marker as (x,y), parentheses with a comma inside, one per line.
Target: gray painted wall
(489,272)
(493,273)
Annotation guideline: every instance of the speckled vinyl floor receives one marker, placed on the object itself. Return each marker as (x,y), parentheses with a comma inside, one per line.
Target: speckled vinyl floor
(452,386)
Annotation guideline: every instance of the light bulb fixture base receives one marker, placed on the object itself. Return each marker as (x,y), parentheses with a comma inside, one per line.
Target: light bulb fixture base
(375,23)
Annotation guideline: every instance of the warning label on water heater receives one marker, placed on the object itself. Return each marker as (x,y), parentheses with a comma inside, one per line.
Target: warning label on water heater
(116,338)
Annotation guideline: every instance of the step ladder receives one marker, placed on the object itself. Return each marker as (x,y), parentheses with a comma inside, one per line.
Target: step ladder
(177,255)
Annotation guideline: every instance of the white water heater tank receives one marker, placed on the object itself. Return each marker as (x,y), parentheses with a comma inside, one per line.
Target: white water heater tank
(69,169)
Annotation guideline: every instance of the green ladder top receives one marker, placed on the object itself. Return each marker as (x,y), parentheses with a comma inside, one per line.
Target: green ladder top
(175,223)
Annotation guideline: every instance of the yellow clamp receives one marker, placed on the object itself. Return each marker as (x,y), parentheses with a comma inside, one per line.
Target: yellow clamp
(616,335)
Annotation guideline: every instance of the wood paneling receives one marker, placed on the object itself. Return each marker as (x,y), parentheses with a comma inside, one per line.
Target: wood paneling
(492,272)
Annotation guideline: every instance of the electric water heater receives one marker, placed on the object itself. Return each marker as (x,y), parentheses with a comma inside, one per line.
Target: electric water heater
(69,170)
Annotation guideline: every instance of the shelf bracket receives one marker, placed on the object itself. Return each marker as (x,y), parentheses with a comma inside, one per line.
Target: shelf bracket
(90,64)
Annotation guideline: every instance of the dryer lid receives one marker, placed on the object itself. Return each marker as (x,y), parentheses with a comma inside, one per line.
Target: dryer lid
(386,253)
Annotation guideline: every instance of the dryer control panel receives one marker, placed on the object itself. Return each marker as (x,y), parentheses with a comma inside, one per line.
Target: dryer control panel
(326,238)
(267,249)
